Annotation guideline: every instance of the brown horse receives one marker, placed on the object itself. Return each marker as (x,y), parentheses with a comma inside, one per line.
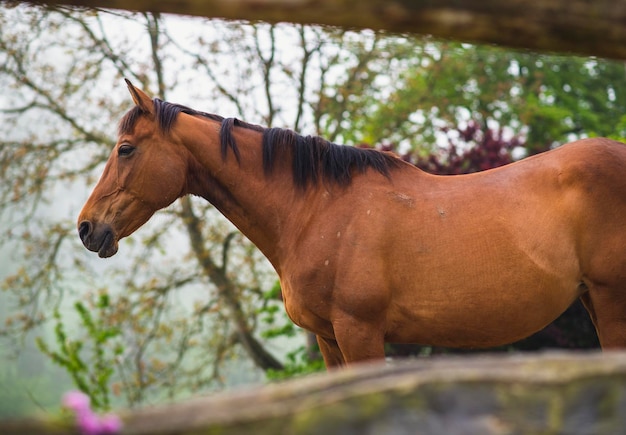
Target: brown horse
(371,249)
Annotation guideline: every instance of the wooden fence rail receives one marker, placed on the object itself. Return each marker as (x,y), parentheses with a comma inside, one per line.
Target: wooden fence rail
(595,28)
(554,393)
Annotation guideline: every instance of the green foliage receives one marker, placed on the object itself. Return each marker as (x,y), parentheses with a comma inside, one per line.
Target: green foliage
(277,326)
(87,360)
(272,315)
(301,361)
(549,99)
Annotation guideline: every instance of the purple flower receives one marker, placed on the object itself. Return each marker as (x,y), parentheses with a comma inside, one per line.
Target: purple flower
(87,421)
(76,401)
(110,424)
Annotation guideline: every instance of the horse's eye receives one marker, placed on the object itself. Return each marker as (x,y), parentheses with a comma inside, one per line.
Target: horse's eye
(125,150)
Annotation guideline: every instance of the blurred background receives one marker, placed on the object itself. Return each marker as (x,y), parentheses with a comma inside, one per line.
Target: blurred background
(154,324)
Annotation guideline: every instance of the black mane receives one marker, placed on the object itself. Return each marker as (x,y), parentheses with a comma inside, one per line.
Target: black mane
(313,158)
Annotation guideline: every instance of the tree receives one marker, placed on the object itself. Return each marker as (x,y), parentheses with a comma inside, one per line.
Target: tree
(547,100)
(188,294)
(159,337)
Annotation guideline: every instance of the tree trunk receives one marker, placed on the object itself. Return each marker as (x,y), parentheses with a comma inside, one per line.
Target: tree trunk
(227,292)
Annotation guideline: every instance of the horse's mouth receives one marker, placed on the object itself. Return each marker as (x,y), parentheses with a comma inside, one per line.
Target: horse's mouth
(108,248)
(98,238)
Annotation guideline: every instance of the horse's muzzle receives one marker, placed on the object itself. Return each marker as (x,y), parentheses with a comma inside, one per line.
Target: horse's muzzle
(98,238)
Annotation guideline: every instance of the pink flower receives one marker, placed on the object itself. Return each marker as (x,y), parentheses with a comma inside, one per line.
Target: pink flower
(87,421)
(110,424)
(76,401)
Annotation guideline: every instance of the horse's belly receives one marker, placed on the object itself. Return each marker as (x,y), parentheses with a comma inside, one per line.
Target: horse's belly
(478,317)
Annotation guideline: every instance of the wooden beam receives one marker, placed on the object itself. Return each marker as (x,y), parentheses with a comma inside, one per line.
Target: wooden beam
(585,27)
(570,393)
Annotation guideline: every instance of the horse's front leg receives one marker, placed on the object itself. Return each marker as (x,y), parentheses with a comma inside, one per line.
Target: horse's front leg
(333,358)
(359,340)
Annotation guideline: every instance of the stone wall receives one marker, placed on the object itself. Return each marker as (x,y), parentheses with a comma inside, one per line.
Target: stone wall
(553,393)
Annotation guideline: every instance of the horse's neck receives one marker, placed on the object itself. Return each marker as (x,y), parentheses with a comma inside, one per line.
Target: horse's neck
(256,204)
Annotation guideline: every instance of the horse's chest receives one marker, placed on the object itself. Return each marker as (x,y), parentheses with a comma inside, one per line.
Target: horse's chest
(308,308)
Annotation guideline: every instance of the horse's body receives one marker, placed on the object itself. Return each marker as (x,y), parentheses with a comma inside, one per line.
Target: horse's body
(370,249)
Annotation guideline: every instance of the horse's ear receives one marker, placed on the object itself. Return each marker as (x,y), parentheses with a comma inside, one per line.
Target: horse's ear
(140,98)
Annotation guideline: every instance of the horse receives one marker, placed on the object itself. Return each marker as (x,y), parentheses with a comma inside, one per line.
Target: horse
(368,248)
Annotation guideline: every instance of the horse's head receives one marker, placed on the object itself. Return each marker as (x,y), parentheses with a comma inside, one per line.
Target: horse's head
(146,171)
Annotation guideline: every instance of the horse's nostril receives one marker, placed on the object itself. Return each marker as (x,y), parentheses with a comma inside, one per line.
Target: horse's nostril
(84,230)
